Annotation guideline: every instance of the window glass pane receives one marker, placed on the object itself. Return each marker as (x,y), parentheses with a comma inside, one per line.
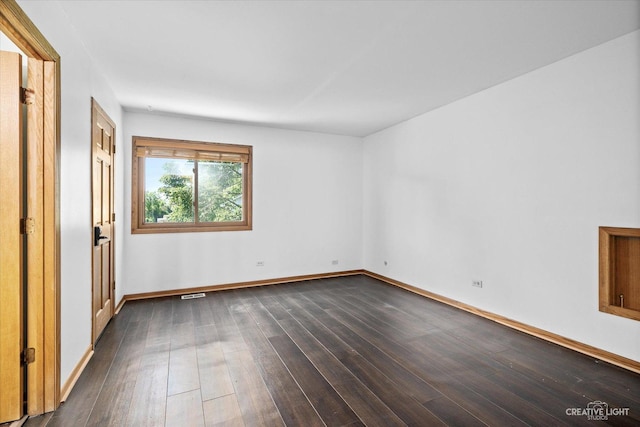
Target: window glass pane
(168,187)
(219,191)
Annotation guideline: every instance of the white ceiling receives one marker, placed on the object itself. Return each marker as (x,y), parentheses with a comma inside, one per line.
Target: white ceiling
(343,67)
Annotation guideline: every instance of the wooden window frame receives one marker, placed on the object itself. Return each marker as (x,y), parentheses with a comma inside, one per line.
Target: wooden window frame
(145,147)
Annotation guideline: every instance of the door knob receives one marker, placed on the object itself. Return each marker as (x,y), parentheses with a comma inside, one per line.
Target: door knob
(97,235)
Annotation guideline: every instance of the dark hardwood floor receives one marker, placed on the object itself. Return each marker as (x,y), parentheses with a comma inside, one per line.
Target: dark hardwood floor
(336,352)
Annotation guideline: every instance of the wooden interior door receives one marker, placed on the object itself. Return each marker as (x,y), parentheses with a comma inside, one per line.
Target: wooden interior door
(102,162)
(11,260)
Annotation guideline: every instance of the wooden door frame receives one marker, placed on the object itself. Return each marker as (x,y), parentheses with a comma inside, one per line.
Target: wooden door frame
(43,310)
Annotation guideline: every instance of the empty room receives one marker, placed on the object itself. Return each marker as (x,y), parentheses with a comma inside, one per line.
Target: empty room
(319,213)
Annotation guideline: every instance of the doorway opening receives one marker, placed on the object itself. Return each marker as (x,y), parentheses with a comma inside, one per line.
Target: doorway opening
(36,221)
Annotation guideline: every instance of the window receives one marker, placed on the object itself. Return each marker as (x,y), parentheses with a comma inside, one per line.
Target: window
(187,186)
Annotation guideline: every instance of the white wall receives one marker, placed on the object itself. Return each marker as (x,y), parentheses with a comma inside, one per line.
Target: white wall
(307,210)
(509,186)
(80,81)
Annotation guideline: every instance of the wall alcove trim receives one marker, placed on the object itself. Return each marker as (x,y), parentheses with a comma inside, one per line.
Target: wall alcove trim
(620,271)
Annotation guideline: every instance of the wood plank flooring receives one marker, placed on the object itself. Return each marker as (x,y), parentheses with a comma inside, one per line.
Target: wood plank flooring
(346,351)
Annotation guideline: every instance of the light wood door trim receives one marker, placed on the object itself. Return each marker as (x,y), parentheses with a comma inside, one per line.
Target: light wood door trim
(11,313)
(35,241)
(18,27)
(44,396)
(51,249)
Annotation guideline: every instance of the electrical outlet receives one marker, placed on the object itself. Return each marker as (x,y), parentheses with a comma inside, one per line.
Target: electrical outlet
(260,264)
(477,283)
(334,262)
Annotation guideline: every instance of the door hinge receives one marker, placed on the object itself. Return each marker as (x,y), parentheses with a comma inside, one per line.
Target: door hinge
(27,225)
(27,96)
(27,356)
(113,217)
(114,148)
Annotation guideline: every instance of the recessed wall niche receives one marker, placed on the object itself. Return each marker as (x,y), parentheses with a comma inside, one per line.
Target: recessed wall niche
(620,271)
